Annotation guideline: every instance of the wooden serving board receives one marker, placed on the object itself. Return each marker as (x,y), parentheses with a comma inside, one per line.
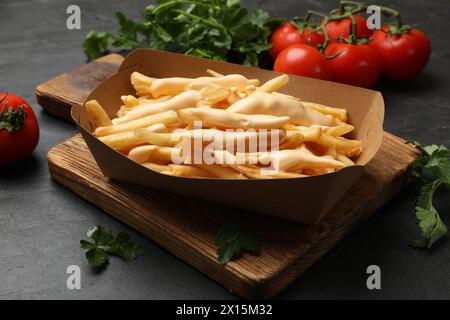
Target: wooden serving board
(59,94)
(187,227)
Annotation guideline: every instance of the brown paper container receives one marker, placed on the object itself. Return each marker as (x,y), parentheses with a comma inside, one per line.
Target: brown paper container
(305,200)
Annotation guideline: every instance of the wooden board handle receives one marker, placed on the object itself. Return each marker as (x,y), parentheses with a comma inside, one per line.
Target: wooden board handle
(58,95)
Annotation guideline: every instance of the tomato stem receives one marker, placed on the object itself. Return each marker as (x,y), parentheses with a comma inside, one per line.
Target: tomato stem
(11,119)
(347,10)
(393,14)
(346,6)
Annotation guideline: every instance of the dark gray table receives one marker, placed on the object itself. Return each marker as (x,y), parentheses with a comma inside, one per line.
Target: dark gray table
(41,223)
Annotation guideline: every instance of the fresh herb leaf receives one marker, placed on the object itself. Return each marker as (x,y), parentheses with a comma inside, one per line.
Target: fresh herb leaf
(98,258)
(427,217)
(106,244)
(127,37)
(231,241)
(100,235)
(431,170)
(96,44)
(218,29)
(122,246)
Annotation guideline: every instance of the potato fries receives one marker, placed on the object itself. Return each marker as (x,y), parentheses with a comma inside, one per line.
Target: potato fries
(98,114)
(225,127)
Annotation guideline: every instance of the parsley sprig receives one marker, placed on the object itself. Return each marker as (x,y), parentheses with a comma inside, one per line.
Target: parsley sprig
(431,170)
(232,240)
(215,29)
(105,244)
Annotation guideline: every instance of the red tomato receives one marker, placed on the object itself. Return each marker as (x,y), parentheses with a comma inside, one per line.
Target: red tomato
(303,60)
(313,38)
(282,37)
(358,65)
(342,28)
(404,56)
(19,131)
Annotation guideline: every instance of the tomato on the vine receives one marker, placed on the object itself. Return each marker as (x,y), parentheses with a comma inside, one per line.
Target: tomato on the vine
(303,60)
(19,131)
(342,28)
(354,64)
(285,35)
(312,37)
(404,53)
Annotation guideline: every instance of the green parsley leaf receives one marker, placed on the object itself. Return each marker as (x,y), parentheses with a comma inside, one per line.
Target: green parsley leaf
(231,241)
(127,37)
(123,247)
(98,258)
(96,44)
(217,29)
(106,244)
(100,235)
(431,169)
(427,217)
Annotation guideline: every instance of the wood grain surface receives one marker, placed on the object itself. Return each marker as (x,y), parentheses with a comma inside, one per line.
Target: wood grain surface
(187,227)
(58,95)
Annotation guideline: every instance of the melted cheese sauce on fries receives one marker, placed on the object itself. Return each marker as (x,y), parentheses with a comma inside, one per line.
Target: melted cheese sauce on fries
(154,127)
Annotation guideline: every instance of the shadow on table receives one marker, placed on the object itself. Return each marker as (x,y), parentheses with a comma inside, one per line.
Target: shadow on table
(422,83)
(20,169)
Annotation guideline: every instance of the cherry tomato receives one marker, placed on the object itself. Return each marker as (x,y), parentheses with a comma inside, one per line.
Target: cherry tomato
(358,65)
(303,60)
(342,28)
(285,35)
(19,131)
(405,55)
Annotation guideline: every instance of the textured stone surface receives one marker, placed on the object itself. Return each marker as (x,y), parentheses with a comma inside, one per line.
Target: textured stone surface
(41,223)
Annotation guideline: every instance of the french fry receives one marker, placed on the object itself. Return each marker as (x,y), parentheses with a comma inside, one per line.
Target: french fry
(226,119)
(275,84)
(214,73)
(266,103)
(122,142)
(173,86)
(338,113)
(187,99)
(152,153)
(215,95)
(190,171)
(161,168)
(98,114)
(130,101)
(141,83)
(345,146)
(165,118)
(158,127)
(146,100)
(123,110)
(309,133)
(254,172)
(292,141)
(345,160)
(286,96)
(354,152)
(158,139)
(291,160)
(221,172)
(340,130)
